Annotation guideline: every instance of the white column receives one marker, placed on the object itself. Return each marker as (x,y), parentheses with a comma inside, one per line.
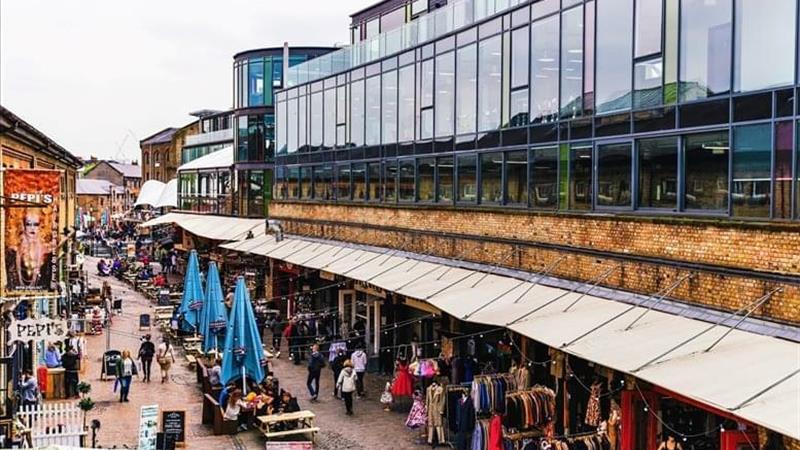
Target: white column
(376,323)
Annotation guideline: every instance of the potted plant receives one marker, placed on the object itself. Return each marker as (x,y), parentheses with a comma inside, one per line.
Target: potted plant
(85,403)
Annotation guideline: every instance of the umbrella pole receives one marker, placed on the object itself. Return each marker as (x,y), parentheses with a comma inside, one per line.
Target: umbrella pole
(244,382)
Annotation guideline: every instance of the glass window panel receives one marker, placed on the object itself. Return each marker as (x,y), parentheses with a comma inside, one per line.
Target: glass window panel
(647,83)
(305,182)
(764,40)
(255,82)
(393,19)
(588,58)
(406,104)
(544,70)
(544,177)
(671,51)
(426,80)
(280,133)
(491,177)
(444,167)
(613,59)
(519,107)
(292,134)
(467,85)
(342,190)
(490,81)
(425,186)
(752,154)
(406,180)
(705,48)
(580,177)
(329,118)
(341,105)
(706,169)
(293,182)
(516,177)
(323,180)
(658,173)
(445,88)
(614,166)
(782,203)
(374,181)
(571,62)
(390,181)
(302,127)
(389,107)
(359,175)
(373,28)
(316,119)
(519,57)
(648,27)
(357,113)
(467,178)
(426,124)
(373,114)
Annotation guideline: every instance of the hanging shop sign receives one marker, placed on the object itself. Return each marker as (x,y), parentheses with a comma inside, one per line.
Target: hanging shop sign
(31,228)
(37,330)
(327,275)
(370,289)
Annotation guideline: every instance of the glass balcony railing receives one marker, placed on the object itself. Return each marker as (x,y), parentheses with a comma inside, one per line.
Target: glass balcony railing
(211,136)
(453,16)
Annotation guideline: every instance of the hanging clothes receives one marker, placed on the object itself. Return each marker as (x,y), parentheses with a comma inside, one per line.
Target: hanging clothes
(533,408)
(489,392)
(434,404)
(403,383)
(495,438)
(417,417)
(464,422)
(593,407)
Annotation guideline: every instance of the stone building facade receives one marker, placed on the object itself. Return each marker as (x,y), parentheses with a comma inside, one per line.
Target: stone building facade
(126,176)
(161,152)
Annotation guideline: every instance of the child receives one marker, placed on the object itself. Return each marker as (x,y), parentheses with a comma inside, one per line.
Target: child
(386,397)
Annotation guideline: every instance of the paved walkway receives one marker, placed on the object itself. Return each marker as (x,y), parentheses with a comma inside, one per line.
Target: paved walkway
(369,428)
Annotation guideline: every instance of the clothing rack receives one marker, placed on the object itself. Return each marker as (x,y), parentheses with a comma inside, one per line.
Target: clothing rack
(489,392)
(449,389)
(533,408)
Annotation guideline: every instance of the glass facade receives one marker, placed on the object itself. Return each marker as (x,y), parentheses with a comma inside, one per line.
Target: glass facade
(660,107)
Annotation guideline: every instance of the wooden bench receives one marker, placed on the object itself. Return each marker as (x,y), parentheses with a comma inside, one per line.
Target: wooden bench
(303,419)
(192,360)
(212,414)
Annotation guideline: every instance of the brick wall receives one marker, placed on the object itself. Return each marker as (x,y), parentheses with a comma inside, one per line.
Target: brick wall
(584,244)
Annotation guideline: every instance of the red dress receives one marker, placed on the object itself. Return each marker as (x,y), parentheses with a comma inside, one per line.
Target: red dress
(403,385)
(495,441)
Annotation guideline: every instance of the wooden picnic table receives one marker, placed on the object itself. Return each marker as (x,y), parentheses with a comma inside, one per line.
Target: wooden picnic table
(163,316)
(304,420)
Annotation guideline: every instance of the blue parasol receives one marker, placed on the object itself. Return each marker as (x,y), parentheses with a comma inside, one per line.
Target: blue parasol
(213,320)
(243,354)
(192,301)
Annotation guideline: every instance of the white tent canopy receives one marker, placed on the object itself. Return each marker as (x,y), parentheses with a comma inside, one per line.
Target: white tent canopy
(149,193)
(218,159)
(169,195)
(212,227)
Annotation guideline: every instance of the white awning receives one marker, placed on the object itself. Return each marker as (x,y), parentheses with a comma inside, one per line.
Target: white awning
(219,159)
(218,228)
(169,195)
(741,366)
(149,193)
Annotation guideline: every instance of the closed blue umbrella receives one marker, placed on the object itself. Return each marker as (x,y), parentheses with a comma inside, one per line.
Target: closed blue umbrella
(213,319)
(192,301)
(243,354)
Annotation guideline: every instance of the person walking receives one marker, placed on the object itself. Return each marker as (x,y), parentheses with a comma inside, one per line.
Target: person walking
(359,359)
(347,385)
(315,365)
(29,389)
(146,352)
(276,326)
(165,358)
(70,361)
(126,369)
(336,366)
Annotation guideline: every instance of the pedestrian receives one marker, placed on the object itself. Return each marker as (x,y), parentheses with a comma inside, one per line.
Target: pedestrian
(70,361)
(52,357)
(146,353)
(336,366)
(276,326)
(315,365)
(29,389)
(359,359)
(126,369)
(165,358)
(347,385)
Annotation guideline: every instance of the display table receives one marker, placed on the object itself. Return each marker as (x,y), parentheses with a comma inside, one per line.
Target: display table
(304,421)
(55,384)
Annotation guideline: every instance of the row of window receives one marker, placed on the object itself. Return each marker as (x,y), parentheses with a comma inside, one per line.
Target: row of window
(255,79)
(192,153)
(539,64)
(255,137)
(746,172)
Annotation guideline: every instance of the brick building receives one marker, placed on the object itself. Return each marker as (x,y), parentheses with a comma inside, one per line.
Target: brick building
(161,152)
(126,176)
(100,201)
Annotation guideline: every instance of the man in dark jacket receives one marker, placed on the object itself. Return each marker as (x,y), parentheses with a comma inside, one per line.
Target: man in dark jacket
(146,352)
(70,363)
(336,366)
(315,364)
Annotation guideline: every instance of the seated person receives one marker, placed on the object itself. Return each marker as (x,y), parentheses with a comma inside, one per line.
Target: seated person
(288,404)
(234,406)
(116,267)
(224,393)
(160,280)
(102,268)
(145,274)
(214,373)
(52,357)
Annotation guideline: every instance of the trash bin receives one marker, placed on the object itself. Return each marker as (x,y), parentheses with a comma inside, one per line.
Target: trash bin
(110,359)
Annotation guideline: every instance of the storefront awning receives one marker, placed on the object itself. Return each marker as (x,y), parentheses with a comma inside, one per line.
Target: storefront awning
(664,349)
(169,195)
(216,160)
(149,193)
(219,228)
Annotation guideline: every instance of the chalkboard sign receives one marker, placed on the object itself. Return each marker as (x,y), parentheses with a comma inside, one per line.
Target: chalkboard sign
(144,321)
(165,441)
(174,424)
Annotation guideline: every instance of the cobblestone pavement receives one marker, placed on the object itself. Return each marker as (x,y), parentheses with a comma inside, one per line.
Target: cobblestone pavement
(369,428)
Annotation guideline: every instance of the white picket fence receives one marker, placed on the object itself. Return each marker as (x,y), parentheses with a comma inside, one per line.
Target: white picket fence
(59,423)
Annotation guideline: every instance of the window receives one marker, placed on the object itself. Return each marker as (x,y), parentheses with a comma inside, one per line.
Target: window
(255,82)
(705,48)
(330,118)
(614,47)
(444,168)
(406,180)
(342,189)
(544,70)
(706,167)
(374,181)
(357,113)
(588,57)
(467,178)
(359,176)
(782,203)
(490,80)
(492,178)
(572,62)
(467,85)
(544,177)
(316,119)
(302,122)
(516,177)
(614,166)
(658,173)
(293,182)
(763,40)
(390,181)
(580,177)
(405,127)
(393,19)
(373,117)
(648,28)
(752,158)
(280,132)
(305,182)
(647,77)
(291,136)
(323,179)
(425,180)
(519,57)
(389,107)
(373,28)
(426,100)
(341,115)
(445,89)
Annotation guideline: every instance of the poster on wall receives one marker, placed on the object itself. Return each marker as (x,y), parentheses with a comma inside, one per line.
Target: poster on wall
(31,232)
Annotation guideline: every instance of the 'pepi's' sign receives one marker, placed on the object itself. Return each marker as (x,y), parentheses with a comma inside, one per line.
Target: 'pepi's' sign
(37,330)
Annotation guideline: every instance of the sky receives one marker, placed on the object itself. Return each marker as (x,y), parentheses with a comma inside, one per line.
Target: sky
(97,76)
